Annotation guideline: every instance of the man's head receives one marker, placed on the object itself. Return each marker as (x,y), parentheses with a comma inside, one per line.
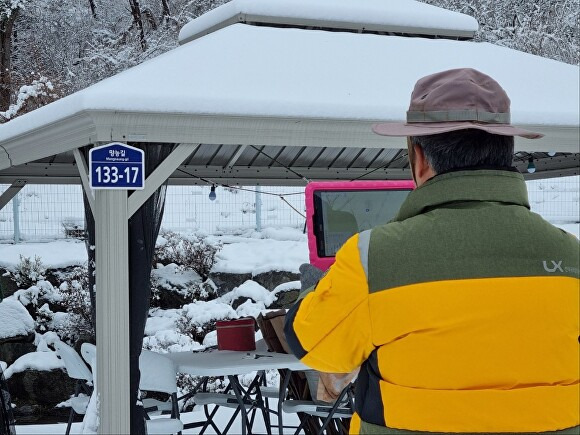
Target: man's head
(461,149)
(457,119)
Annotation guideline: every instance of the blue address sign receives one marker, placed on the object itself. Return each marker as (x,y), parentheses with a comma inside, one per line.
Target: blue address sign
(117,166)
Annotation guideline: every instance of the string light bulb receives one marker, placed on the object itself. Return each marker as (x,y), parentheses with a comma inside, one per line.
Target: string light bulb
(531,166)
(551,153)
(212,195)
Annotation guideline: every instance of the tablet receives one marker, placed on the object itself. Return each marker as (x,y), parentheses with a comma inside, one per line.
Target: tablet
(336,210)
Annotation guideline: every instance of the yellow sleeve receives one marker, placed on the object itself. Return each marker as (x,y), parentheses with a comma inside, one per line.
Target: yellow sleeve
(330,329)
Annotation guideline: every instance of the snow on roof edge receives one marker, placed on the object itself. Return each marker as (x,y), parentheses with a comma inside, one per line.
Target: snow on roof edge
(395,16)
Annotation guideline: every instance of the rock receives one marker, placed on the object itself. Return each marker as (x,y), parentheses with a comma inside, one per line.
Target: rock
(274,278)
(29,338)
(285,299)
(36,393)
(168,299)
(37,414)
(226,282)
(239,301)
(11,350)
(7,285)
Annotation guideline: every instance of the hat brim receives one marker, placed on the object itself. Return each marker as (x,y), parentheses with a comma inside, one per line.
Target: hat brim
(429,128)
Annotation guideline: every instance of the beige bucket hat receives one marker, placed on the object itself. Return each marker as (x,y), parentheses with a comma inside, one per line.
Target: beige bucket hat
(456,99)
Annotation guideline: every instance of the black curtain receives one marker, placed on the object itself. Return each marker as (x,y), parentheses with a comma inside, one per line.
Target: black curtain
(6,416)
(90,245)
(144,228)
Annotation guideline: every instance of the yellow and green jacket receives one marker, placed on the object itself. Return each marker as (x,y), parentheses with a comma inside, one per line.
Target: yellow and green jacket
(463,314)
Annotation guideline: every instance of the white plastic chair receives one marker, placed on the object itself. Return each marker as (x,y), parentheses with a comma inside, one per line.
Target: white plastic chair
(76,369)
(158,374)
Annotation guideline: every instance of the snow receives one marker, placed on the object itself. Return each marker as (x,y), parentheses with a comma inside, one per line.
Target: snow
(15,319)
(250,289)
(161,320)
(40,87)
(91,420)
(43,340)
(56,254)
(171,276)
(262,255)
(7,8)
(169,340)
(221,418)
(284,287)
(355,79)
(402,15)
(283,234)
(201,313)
(32,294)
(35,361)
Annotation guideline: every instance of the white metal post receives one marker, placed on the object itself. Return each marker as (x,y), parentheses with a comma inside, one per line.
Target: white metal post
(258,209)
(112,267)
(16,218)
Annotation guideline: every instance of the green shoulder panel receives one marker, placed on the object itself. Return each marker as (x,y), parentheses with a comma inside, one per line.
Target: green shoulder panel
(469,239)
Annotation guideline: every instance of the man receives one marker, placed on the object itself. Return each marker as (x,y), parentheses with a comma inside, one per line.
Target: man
(464,311)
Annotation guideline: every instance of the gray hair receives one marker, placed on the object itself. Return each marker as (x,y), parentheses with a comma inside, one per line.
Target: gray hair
(466,148)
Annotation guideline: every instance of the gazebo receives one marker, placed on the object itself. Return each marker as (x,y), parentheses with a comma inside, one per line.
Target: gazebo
(273,93)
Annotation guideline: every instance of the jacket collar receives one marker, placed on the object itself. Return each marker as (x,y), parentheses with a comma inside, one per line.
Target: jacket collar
(503,186)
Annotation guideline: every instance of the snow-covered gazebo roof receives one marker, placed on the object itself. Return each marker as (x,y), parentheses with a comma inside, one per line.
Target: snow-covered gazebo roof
(263,98)
(376,16)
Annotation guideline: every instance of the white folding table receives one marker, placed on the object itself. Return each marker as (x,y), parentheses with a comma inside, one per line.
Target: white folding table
(232,364)
(226,362)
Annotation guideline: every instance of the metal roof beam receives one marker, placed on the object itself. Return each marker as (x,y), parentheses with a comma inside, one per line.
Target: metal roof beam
(84,174)
(236,156)
(61,173)
(160,176)
(11,192)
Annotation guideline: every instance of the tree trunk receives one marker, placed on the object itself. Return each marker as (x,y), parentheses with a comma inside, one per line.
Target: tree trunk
(165,6)
(138,22)
(93,8)
(6,31)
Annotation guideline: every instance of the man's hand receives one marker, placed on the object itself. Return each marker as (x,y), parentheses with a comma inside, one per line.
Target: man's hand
(309,276)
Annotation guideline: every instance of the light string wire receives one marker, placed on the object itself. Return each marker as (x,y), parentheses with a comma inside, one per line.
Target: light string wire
(279,195)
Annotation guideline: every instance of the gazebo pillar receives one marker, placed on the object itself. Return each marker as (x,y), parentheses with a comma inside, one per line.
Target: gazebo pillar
(112,328)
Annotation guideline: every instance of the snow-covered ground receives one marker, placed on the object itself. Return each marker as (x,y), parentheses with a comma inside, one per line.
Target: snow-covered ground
(222,417)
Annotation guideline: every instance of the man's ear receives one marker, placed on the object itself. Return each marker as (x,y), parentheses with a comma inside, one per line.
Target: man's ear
(411,157)
(421,167)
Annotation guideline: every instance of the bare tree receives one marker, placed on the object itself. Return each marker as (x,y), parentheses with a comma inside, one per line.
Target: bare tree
(8,14)
(547,28)
(93,8)
(166,11)
(68,46)
(138,22)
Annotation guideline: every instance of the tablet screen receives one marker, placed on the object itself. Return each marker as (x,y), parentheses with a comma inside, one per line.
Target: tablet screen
(339,214)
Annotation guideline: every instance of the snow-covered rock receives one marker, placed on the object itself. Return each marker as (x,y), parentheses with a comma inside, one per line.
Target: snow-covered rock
(16,321)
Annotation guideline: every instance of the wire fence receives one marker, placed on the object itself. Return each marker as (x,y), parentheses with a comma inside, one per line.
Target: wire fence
(556,199)
(234,211)
(47,212)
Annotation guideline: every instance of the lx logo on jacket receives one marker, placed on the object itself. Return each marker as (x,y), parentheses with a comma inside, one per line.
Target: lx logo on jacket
(555,266)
